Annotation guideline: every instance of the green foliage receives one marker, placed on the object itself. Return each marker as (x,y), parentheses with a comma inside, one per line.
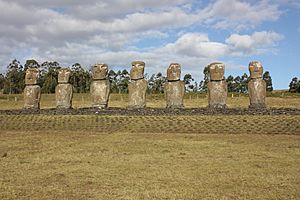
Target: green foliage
(268,79)
(119,81)
(14,78)
(294,85)
(48,76)
(204,82)
(80,79)
(188,79)
(156,83)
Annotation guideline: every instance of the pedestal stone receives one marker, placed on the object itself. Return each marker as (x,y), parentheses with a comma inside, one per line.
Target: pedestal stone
(217,94)
(100,90)
(257,93)
(63,95)
(137,93)
(174,93)
(32,97)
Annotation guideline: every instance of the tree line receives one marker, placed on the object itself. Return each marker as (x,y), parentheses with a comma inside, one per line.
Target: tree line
(13,81)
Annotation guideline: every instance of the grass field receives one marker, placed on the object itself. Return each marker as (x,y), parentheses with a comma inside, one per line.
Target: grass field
(288,100)
(149,157)
(83,165)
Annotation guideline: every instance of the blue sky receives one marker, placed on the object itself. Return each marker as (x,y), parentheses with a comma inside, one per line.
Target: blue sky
(191,32)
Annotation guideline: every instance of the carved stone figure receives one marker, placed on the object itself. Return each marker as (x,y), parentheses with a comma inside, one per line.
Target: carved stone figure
(64,75)
(217,86)
(174,87)
(99,71)
(32,91)
(137,70)
(256,86)
(31,76)
(173,72)
(64,90)
(137,86)
(100,86)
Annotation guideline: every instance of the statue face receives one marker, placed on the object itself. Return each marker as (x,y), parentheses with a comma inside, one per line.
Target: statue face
(255,69)
(31,76)
(173,72)
(216,71)
(99,71)
(137,70)
(64,75)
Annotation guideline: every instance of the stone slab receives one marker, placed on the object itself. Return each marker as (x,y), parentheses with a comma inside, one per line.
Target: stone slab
(174,93)
(257,93)
(63,95)
(137,93)
(100,90)
(32,97)
(217,94)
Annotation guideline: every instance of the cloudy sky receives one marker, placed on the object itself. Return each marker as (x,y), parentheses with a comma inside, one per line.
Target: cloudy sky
(193,33)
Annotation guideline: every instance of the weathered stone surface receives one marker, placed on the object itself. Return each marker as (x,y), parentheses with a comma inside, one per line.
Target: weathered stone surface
(137,70)
(174,93)
(173,72)
(99,72)
(257,93)
(31,76)
(100,90)
(256,69)
(32,97)
(63,95)
(216,71)
(137,93)
(217,94)
(64,75)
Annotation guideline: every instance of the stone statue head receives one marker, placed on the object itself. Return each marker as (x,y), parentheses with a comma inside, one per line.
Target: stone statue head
(216,71)
(99,71)
(255,69)
(31,76)
(137,70)
(173,72)
(64,75)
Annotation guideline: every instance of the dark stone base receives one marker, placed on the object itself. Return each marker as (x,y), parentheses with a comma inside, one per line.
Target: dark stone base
(257,106)
(217,106)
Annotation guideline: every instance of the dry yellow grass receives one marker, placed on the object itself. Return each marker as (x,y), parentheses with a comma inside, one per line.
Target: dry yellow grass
(149,157)
(89,165)
(155,101)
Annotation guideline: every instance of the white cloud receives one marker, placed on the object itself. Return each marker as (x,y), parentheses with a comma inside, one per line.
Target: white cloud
(113,31)
(252,44)
(196,45)
(235,14)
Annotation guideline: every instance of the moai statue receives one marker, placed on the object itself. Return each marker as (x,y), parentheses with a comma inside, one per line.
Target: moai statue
(64,90)
(137,86)
(100,86)
(174,87)
(217,86)
(256,86)
(32,91)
